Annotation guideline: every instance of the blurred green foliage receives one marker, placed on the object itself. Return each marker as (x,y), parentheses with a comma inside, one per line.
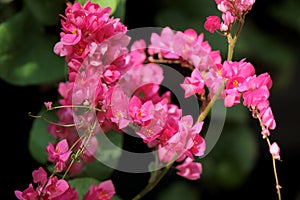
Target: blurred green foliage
(29,30)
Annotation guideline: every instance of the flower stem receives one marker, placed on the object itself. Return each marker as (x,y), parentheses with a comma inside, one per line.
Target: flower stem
(231,44)
(85,140)
(203,114)
(275,172)
(232,41)
(42,115)
(273,159)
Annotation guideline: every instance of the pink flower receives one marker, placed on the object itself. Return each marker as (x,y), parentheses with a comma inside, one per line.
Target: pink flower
(234,87)
(237,8)
(212,23)
(137,51)
(140,113)
(28,194)
(70,39)
(268,118)
(189,169)
(59,154)
(227,18)
(119,108)
(111,74)
(40,176)
(83,25)
(48,105)
(71,193)
(237,69)
(264,79)
(275,151)
(199,146)
(65,90)
(162,44)
(104,191)
(152,130)
(55,187)
(181,142)
(265,133)
(194,84)
(232,98)
(187,134)
(257,98)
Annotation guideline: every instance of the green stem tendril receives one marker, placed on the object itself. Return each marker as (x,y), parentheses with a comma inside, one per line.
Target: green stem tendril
(85,142)
(85,138)
(60,107)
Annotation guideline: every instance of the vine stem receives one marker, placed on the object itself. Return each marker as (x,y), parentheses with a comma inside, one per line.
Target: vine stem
(85,141)
(207,109)
(231,44)
(153,183)
(275,172)
(273,159)
(42,115)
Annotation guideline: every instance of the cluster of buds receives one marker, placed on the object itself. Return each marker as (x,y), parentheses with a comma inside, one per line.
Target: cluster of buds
(232,11)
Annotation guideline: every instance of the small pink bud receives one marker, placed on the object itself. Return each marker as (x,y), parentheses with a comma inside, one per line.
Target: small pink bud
(278,187)
(48,105)
(265,133)
(212,23)
(275,151)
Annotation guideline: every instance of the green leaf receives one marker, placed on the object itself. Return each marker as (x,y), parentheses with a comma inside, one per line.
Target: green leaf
(82,185)
(121,10)
(113,4)
(39,138)
(107,156)
(46,11)
(26,52)
(179,190)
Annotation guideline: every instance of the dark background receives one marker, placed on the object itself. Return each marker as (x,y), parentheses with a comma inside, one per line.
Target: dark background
(17,101)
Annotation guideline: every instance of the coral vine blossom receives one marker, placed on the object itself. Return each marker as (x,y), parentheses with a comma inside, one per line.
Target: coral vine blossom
(114,84)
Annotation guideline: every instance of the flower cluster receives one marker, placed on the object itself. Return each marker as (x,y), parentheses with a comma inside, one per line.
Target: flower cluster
(81,26)
(117,83)
(59,189)
(232,11)
(209,73)
(112,85)
(124,89)
(240,77)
